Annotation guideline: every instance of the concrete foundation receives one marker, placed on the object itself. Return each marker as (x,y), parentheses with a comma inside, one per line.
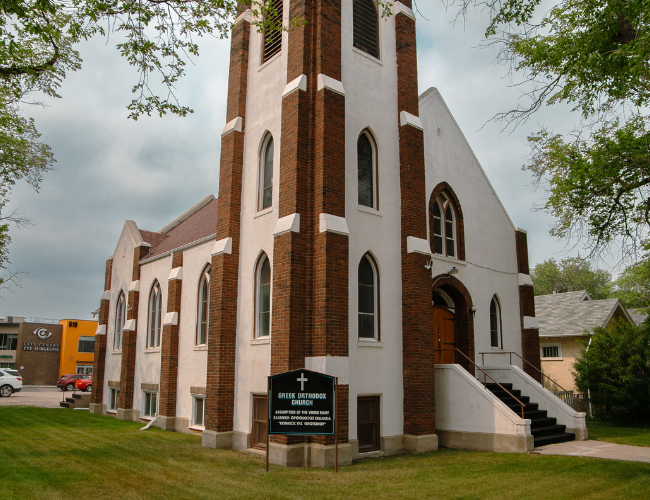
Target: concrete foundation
(128,414)
(219,440)
(98,409)
(582,434)
(165,423)
(420,444)
(505,443)
(241,441)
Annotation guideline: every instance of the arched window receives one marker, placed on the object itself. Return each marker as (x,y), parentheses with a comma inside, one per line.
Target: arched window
(365,27)
(119,321)
(444,226)
(367,171)
(155,312)
(495,323)
(368,299)
(266,174)
(263,297)
(273,38)
(204,305)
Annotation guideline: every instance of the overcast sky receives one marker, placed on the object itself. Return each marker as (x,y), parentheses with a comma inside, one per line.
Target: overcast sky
(110,169)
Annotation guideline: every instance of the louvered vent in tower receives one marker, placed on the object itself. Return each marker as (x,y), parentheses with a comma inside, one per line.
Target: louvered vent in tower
(273,40)
(366,28)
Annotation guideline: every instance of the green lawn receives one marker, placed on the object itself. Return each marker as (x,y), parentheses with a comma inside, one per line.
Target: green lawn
(52,454)
(636,436)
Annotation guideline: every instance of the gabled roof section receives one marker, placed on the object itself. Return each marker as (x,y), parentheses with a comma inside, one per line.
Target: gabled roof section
(571,313)
(196,224)
(638,315)
(131,230)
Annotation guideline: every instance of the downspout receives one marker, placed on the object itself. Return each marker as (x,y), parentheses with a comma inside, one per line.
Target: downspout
(588,391)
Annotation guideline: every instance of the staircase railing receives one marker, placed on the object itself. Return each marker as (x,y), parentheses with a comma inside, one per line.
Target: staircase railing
(484,375)
(568,397)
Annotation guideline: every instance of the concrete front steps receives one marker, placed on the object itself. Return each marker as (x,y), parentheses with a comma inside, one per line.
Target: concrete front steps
(544,429)
(77,400)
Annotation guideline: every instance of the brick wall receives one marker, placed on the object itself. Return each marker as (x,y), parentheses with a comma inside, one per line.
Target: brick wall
(99,365)
(224,277)
(169,346)
(529,337)
(38,359)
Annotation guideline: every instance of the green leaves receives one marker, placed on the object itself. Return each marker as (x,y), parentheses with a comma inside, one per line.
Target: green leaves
(570,275)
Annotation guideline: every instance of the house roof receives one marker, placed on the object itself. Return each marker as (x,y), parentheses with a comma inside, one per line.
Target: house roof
(573,313)
(197,223)
(637,315)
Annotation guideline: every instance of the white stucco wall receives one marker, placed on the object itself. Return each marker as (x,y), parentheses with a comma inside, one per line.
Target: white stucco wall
(490,265)
(192,359)
(370,99)
(147,361)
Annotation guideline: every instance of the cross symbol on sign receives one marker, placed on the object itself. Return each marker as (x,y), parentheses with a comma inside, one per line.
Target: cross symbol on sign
(302,381)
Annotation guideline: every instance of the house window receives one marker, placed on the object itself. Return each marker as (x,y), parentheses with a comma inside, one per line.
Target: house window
(155,312)
(266,174)
(204,304)
(443,216)
(119,322)
(150,404)
(551,351)
(198,411)
(368,423)
(368,299)
(367,171)
(273,36)
(365,27)
(114,398)
(263,297)
(495,323)
(8,341)
(260,422)
(86,369)
(86,344)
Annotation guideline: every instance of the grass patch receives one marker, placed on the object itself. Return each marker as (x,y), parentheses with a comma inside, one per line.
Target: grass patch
(57,454)
(636,436)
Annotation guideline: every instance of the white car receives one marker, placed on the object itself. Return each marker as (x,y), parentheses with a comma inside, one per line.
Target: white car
(10,382)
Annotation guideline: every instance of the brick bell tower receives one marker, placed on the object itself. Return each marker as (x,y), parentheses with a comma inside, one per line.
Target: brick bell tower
(304,89)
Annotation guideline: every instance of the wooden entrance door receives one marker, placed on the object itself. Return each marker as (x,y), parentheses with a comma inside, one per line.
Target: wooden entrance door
(444,336)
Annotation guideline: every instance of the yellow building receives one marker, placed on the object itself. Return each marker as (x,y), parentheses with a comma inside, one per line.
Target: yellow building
(77,346)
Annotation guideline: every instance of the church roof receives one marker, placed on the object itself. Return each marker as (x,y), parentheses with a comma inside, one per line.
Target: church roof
(573,313)
(196,224)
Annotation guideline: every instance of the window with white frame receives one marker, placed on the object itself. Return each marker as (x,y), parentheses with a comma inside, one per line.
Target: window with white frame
(368,299)
(266,174)
(204,304)
(444,226)
(86,344)
(263,297)
(114,398)
(367,171)
(198,411)
(87,369)
(551,351)
(119,321)
(150,404)
(155,312)
(495,323)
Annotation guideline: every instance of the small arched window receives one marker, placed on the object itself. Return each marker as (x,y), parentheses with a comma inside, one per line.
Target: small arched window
(204,306)
(444,226)
(263,297)
(155,313)
(368,299)
(273,30)
(266,174)
(495,323)
(365,27)
(367,171)
(119,322)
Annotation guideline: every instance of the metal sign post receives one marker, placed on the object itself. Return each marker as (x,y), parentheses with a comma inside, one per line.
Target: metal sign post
(336,425)
(303,402)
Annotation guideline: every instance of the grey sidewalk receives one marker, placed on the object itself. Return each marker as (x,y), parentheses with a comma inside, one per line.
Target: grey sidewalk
(598,449)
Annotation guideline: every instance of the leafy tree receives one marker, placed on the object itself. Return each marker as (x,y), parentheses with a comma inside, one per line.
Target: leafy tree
(570,275)
(615,368)
(633,285)
(595,56)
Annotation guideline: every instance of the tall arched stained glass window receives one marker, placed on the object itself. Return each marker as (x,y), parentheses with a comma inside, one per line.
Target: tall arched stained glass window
(155,313)
(368,299)
(204,308)
(119,321)
(263,297)
(495,323)
(366,172)
(266,174)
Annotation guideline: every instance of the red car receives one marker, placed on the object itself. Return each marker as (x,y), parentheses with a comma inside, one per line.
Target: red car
(84,384)
(66,382)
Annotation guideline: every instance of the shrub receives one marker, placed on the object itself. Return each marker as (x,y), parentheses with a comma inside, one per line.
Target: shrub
(615,368)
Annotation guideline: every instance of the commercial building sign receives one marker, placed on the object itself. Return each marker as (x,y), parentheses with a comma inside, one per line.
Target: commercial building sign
(33,346)
(302,402)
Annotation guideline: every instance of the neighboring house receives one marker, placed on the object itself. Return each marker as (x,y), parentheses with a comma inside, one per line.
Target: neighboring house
(565,320)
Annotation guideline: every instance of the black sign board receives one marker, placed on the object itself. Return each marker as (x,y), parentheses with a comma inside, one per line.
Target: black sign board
(302,402)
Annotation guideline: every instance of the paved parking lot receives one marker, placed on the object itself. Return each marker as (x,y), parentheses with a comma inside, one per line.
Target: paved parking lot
(36,395)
